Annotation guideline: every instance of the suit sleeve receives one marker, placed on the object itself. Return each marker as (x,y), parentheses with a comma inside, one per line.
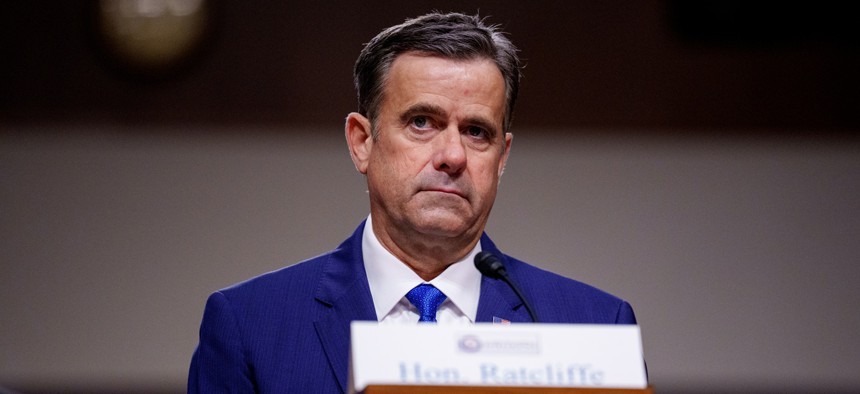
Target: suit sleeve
(625,314)
(219,363)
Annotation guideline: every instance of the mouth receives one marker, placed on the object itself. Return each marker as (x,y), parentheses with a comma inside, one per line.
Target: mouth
(445,190)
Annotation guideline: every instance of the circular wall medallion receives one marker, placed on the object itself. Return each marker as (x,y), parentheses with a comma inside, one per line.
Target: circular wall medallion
(153,37)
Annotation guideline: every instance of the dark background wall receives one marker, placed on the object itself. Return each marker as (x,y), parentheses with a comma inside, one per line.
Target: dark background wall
(764,67)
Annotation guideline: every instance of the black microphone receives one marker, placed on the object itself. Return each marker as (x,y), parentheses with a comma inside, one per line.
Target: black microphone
(491,266)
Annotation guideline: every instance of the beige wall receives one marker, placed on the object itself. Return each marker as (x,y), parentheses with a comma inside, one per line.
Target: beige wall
(739,256)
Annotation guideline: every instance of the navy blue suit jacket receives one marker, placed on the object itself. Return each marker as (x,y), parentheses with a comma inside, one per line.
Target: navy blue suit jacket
(287,331)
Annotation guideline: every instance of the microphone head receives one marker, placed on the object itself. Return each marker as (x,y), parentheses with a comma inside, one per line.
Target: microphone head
(490,265)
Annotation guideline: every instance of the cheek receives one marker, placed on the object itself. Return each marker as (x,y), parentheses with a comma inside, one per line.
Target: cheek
(409,162)
(486,179)
(395,170)
(488,165)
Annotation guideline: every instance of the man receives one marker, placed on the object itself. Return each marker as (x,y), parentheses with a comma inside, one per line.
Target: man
(432,136)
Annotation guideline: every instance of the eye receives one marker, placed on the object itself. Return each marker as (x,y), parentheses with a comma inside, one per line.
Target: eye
(477,132)
(420,122)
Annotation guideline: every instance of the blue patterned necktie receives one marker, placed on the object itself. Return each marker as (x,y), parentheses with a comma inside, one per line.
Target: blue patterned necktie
(427,299)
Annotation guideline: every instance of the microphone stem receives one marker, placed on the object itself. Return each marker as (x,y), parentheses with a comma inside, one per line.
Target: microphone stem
(522,298)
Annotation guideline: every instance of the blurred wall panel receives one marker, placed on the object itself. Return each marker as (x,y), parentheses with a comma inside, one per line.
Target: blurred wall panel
(739,256)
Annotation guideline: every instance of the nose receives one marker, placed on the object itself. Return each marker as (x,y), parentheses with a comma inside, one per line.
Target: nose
(450,154)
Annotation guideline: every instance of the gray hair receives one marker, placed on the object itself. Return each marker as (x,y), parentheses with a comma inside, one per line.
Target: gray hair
(454,36)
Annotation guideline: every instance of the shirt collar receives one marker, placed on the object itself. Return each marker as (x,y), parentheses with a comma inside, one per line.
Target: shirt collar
(390,279)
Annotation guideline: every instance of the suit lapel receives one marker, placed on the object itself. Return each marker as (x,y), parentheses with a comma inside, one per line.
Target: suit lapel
(344,295)
(497,300)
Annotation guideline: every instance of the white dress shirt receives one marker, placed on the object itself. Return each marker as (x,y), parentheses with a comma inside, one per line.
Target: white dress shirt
(390,279)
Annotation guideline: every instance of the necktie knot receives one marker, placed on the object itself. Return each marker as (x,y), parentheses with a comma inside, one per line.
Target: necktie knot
(427,299)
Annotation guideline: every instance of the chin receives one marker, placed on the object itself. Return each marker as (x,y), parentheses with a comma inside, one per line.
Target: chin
(445,226)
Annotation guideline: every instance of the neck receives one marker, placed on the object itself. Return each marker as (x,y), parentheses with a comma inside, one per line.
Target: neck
(427,255)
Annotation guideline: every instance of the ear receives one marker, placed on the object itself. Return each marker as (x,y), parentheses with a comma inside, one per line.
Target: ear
(508,138)
(359,139)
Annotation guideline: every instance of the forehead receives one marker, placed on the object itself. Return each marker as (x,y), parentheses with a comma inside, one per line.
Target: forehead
(417,76)
(419,65)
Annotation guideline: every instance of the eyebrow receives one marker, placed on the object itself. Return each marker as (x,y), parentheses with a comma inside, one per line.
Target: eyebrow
(421,109)
(435,110)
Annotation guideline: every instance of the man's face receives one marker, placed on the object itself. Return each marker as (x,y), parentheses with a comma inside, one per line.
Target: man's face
(434,167)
